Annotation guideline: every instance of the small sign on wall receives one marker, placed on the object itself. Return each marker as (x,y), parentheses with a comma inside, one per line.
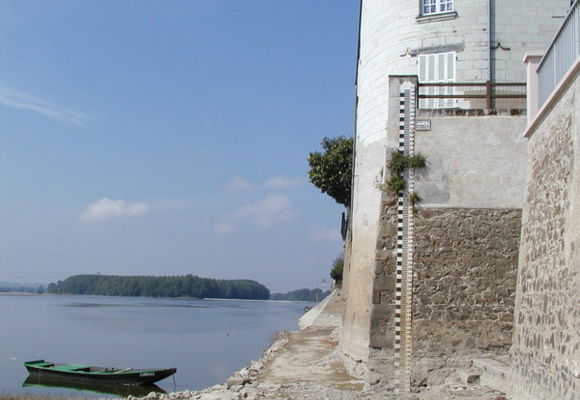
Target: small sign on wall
(423,125)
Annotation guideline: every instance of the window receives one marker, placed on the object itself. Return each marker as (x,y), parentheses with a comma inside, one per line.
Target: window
(436,6)
(437,68)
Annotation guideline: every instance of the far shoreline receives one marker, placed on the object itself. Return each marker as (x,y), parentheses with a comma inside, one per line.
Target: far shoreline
(19,294)
(170,298)
(256,300)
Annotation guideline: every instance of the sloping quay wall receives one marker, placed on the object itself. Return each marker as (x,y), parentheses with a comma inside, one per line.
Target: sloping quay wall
(546,340)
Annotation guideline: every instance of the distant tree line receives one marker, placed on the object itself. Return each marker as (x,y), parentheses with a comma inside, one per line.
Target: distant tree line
(301,295)
(160,286)
(22,289)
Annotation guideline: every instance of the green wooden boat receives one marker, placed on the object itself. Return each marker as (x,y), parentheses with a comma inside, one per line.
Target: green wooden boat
(122,376)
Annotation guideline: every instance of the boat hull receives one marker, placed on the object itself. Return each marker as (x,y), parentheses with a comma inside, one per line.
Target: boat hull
(99,374)
(41,380)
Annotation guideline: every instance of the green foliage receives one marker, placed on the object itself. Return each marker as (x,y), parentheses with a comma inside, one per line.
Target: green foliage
(21,289)
(331,170)
(301,295)
(414,199)
(416,161)
(396,183)
(397,165)
(160,286)
(337,268)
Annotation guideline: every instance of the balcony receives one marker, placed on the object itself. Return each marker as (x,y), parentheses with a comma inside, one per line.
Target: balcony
(473,96)
(560,56)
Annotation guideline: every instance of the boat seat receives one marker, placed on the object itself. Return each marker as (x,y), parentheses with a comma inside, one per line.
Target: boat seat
(44,364)
(123,370)
(72,367)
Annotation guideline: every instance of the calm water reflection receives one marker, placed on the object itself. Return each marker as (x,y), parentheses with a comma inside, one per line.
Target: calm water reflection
(36,381)
(205,340)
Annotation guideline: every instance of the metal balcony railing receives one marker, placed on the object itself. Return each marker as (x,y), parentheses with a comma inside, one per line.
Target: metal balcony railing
(472,95)
(561,55)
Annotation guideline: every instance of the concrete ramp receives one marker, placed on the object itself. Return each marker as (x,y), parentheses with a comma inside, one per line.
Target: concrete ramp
(326,313)
(310,356)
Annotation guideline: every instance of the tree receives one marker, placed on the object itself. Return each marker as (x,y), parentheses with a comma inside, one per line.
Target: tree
(337,268)
(331,170)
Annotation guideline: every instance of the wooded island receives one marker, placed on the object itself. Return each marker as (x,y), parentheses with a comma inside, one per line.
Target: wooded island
(161,286)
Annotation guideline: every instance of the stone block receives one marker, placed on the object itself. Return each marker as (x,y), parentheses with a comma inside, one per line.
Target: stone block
(468,376)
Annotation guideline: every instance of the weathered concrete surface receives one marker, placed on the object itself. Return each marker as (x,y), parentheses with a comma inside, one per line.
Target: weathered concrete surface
(358,273)
(310,357)
(472,162)
(546,340)
(326,313)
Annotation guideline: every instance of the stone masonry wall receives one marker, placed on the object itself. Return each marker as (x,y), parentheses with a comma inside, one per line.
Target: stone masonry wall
(382,332)
(464,280)
(546,349)
(463,287)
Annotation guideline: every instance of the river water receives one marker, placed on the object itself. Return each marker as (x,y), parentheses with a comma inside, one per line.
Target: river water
(205,340)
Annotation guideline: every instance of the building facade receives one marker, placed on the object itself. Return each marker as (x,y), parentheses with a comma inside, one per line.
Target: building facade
(438,276)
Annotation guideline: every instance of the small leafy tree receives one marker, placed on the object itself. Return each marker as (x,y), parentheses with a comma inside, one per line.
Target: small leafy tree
(337,268)
(331,169)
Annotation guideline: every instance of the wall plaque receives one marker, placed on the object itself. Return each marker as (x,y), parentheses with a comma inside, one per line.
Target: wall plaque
(423,125)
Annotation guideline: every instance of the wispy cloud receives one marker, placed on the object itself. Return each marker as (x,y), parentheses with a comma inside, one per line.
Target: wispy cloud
(223,228)
(282,182)
(271,210)
(105,208)
(238,184)
(276,182)
(324,235)
(22,101)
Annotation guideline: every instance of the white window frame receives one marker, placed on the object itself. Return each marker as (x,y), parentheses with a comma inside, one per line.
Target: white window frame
(431,7)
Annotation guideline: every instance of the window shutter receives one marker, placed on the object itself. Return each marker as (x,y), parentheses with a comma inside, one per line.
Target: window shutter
(422,68)
(440,67)
(451,67)
(431,74)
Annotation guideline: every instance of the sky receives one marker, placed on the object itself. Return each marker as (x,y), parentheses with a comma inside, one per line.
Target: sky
(142,137)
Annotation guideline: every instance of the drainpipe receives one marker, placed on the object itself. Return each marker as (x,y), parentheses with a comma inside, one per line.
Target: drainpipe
(489,36)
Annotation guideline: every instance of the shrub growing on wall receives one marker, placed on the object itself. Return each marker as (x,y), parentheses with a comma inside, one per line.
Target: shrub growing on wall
(331,169)
(337,268)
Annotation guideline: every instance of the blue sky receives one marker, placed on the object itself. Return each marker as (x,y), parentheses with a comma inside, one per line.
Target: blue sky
(170,137)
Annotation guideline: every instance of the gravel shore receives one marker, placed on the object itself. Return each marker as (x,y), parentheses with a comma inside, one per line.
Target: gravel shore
(324,378)
(307,364)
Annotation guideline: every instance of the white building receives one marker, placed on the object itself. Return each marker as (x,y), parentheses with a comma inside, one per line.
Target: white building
(475,166)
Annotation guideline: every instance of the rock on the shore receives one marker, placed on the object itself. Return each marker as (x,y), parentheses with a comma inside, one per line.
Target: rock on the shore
(220,396)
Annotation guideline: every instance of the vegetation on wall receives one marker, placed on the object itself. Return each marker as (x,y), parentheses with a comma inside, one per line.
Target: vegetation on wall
(160,286)
(414,199)
(398,163)
(337,268)
(331,169)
